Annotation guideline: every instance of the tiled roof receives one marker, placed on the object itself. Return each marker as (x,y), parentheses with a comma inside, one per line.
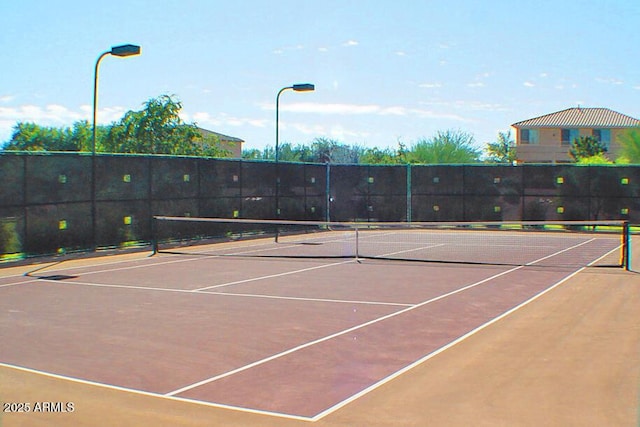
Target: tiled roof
(580,118)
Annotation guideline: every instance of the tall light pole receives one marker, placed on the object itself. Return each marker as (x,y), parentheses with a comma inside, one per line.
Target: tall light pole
(300,87)
(122,51)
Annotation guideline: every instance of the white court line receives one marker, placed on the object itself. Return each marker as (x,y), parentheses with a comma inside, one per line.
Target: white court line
(335,335)
(156,395)
(191,257)
(195,291)
(439,350)
(455,342)
(560,252)
(354,328)
(271,276)
(329,410)
(412,250)
(6,285)
(397,304)
(465,244)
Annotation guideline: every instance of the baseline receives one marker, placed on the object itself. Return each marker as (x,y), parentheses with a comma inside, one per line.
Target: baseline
(338,334)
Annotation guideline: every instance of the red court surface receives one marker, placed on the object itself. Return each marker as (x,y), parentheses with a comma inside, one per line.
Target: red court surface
(289,338)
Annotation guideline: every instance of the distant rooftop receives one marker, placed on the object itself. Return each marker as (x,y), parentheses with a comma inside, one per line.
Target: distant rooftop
(220,136)
(581,117)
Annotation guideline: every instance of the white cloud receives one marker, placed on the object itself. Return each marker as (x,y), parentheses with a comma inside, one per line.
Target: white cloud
(529,84)
(306,128)
(430,85)
(316,108)
(51,114)
(610,80)
(466,105)
(54,115)
(358,110)
(111,114)
(281,50)
(478,81)
(395,111)
(206,120)
(334,131)
(350,43)
(341,133)
(7,98)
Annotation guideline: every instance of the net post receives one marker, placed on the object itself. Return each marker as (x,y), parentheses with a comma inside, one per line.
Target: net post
(154,235)
(357,249)
(626,245)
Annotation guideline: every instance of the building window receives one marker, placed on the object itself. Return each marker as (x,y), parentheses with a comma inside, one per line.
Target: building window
(529,136)
(604,136)
(569,135)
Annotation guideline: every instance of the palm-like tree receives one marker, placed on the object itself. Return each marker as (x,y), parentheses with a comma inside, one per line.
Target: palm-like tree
(630,143)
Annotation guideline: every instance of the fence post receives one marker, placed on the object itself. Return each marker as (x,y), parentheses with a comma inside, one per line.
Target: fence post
(626,245)
(94,208)
(328,192)
(408,192)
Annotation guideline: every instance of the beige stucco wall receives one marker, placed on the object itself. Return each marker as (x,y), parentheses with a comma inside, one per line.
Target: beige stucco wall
(234,147)
(550,148)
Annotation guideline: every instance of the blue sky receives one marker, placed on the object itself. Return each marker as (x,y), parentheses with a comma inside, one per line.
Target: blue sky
(384,71)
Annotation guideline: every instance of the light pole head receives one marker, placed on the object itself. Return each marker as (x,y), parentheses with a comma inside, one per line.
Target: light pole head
(125,50)
(303,87)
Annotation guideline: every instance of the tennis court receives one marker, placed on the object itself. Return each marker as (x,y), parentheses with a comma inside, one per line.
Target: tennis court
(294,330)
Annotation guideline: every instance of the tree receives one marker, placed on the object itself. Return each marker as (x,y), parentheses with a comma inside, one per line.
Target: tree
(503,150)
(33,137)
(81,136)
(586,146)
(385,156)
(375,156)
(286,153)
(324,150)
(630,146)
(252,154)
(446,147)
(321,150)
(158,129)
(598,159)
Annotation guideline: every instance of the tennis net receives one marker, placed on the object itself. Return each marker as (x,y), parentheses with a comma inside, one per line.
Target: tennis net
(534,243)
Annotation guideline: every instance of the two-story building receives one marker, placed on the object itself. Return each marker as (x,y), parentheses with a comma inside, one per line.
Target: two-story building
(548,138)
(230,143)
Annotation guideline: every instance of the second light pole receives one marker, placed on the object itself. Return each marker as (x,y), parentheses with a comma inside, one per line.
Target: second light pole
(301,87)
(121,51)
